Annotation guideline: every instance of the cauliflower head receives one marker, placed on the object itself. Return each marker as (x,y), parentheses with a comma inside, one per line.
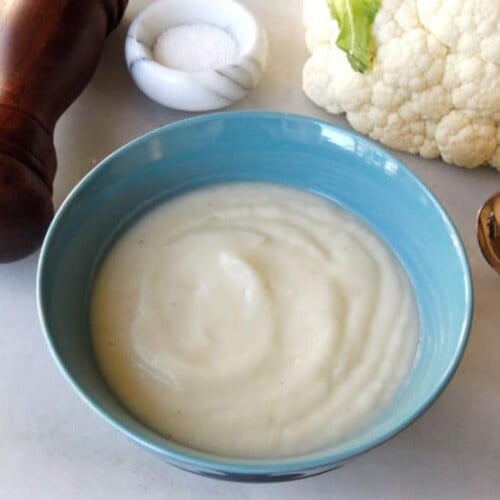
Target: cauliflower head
(434,87)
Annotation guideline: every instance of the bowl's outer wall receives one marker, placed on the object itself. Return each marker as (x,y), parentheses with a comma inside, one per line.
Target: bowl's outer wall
(268,147)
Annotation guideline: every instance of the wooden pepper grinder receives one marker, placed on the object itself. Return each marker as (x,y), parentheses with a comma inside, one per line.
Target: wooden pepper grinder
(48,52)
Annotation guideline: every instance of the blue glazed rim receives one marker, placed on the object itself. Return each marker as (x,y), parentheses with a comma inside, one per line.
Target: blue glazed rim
(251,469)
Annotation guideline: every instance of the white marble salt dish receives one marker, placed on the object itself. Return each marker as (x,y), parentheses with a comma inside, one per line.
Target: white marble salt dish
(196,90)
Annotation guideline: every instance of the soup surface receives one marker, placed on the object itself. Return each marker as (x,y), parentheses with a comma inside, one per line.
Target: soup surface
(252,320)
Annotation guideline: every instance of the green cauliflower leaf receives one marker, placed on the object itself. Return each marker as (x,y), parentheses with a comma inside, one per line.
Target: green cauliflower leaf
(355,19)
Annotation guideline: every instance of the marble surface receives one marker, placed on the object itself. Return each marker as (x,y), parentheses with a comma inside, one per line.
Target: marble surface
(53,447)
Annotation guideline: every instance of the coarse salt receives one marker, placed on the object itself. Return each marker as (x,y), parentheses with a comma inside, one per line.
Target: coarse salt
(195,47)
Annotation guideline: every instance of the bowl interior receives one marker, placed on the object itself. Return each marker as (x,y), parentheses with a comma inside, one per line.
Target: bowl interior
(278,148)
(226,14)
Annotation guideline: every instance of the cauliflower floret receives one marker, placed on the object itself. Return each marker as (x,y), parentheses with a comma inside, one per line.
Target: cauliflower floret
(434,88)
(467,27)
(465,139)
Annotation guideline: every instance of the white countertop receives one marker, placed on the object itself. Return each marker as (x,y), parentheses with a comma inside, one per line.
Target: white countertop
(53,447)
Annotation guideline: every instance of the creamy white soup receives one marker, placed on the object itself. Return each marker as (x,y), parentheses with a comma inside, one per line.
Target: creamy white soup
(252,320)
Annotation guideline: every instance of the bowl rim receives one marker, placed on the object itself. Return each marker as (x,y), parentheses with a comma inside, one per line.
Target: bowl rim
(193,460)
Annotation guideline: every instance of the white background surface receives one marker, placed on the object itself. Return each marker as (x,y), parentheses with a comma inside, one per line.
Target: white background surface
(53,447)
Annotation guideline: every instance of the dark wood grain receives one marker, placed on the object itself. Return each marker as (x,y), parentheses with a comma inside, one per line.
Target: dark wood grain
(49,50)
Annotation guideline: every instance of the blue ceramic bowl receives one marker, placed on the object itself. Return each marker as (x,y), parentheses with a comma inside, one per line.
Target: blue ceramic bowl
(254,146)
